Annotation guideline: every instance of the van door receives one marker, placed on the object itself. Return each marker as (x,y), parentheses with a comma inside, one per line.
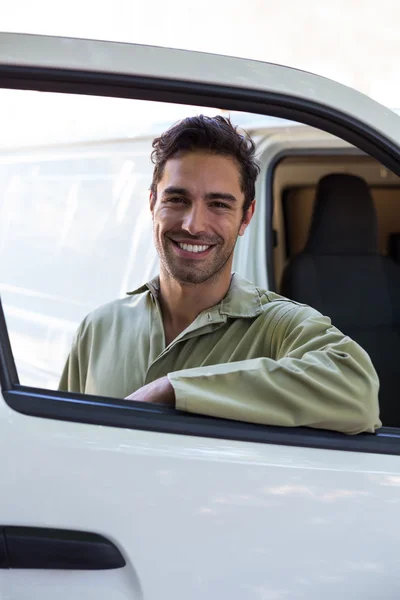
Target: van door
(105,498)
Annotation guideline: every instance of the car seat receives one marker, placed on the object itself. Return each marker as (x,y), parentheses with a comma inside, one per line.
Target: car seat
(341,273)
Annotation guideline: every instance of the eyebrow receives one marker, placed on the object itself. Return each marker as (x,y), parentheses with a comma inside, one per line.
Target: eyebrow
(211,196)
(220,196)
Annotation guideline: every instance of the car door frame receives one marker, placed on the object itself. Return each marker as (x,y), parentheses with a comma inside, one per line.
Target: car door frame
(95,410)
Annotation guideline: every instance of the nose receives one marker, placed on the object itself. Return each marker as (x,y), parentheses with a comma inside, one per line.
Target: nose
(194,220)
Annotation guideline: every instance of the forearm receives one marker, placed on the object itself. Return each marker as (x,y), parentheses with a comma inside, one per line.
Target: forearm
(322,390)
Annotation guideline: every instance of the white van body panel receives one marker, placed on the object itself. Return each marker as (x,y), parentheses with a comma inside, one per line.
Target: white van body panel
(197,517)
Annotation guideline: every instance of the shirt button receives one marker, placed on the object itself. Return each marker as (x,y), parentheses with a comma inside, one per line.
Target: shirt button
(209,317)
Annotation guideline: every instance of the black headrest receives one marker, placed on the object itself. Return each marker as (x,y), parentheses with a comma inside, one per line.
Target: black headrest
(394,246)
(344,219)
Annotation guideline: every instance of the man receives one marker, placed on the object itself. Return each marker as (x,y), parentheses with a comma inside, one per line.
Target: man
(204,340)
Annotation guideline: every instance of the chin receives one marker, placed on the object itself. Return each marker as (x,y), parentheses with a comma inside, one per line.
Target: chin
(188,276)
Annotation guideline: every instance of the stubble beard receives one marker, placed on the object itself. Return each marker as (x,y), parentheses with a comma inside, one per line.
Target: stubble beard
(174,268)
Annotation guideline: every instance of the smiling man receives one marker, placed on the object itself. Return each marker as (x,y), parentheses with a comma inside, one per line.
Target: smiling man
(208,341)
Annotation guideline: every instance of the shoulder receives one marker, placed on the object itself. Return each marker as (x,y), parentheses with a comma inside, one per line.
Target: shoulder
(115,315)
(284,320)
(285,309)
(249,300)
(292,326)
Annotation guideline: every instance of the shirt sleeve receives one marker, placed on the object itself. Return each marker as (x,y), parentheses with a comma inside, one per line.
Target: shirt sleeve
(318,378)
(71,380)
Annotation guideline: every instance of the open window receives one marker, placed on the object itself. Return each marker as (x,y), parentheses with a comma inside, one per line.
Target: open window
(76,231)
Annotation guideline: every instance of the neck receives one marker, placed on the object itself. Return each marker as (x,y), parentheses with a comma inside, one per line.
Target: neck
(181,303)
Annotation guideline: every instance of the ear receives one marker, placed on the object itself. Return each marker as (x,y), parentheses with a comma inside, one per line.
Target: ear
(152,201)
(247,218)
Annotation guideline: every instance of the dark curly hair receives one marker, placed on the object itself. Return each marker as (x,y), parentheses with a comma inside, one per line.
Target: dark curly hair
(216,135)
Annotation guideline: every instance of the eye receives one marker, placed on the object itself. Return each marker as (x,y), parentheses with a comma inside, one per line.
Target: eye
(220,205)
(176,200)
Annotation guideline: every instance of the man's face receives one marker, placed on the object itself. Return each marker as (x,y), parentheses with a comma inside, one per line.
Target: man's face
(197,216)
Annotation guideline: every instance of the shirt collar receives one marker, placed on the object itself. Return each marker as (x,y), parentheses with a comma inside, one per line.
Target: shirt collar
(243,299)
(153,285)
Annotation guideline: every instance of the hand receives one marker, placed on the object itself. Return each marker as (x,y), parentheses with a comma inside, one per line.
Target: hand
(159,391)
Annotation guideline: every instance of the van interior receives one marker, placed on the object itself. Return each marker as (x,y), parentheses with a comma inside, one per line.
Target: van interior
(336,247)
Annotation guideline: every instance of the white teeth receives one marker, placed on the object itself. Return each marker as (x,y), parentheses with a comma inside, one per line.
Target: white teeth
(193,248)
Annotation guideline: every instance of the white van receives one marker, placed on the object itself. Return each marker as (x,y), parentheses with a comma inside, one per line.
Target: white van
(106,499)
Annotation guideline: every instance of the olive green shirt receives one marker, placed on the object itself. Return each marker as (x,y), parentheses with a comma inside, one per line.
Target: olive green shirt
(255,357)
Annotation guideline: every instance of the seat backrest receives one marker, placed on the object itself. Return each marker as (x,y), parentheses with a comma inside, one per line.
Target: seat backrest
(341,274)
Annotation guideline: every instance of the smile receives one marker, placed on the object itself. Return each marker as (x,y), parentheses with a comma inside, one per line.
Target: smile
(192,251)
(193,247)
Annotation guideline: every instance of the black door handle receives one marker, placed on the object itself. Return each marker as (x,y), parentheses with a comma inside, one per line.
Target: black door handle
(42,548)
